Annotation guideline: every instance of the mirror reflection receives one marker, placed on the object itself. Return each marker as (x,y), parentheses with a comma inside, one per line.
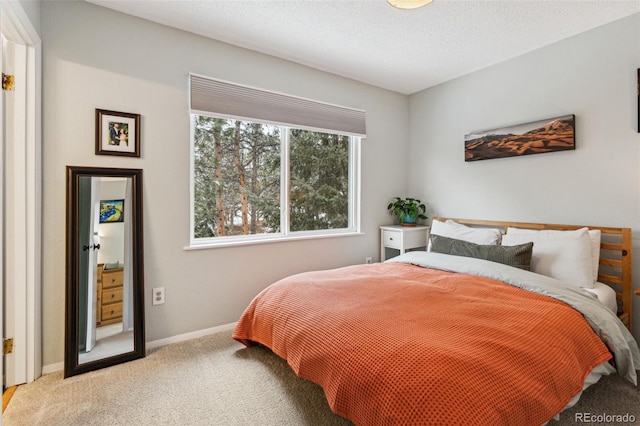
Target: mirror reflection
(105,318)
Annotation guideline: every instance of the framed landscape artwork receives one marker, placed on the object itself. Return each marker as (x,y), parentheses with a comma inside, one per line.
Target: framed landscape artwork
(537,137)
(111,211)
(117,133)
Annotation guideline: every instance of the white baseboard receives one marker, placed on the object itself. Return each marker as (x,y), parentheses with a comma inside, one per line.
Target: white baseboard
(52,368)
(58,366)
(191,335)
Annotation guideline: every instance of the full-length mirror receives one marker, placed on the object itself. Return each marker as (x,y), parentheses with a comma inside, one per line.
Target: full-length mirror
(105,280)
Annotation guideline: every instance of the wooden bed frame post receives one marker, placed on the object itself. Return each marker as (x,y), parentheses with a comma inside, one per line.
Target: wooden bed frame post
(627,281)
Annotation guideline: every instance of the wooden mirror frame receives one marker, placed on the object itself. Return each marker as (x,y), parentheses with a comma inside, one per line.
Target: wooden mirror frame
(72,366)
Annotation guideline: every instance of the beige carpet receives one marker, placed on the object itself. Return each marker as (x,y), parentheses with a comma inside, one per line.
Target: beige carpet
(214,380)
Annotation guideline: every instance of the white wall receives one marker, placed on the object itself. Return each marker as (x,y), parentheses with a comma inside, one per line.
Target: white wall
(32,10)
(592,75)
(97,58)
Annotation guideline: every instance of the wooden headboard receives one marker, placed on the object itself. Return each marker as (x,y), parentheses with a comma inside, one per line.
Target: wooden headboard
(615,256)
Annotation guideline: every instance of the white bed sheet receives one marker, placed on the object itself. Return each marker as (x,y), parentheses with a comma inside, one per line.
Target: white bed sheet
(605,294)
(603,369)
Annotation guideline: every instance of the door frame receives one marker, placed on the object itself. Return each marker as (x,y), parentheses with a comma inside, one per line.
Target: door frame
(26,179)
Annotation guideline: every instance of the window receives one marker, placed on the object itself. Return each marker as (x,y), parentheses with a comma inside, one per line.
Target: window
(256,180)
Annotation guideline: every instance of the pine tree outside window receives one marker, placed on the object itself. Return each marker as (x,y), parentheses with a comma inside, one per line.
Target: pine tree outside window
(257,180)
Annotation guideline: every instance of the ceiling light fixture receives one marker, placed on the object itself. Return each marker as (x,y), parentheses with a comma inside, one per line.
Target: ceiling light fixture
(408,4)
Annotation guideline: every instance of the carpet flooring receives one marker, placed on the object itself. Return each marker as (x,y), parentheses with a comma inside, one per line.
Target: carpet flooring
(214,380)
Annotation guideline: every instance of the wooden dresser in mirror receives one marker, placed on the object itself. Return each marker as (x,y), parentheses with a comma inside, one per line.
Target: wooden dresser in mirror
(109,295)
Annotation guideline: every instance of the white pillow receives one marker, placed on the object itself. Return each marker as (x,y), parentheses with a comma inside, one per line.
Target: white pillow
(564,255)
(595,236)
(458,231)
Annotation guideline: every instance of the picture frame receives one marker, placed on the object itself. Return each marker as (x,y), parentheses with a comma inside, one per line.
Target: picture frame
(111,211)
(117,133)
(536,137)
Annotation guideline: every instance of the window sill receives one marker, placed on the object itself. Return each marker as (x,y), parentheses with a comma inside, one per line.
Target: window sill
(270,240)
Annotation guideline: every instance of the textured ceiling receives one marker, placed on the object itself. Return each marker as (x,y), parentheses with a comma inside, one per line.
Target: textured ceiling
(372,42)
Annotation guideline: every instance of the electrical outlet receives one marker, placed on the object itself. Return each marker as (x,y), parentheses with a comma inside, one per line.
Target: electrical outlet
(367,260)
(158,296)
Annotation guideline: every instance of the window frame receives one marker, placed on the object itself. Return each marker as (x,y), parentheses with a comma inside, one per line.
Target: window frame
(354,227)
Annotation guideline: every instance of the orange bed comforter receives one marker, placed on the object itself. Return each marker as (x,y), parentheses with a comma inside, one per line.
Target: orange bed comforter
(395,343)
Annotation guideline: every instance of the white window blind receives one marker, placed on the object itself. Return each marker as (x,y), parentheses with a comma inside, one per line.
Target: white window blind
(232,100)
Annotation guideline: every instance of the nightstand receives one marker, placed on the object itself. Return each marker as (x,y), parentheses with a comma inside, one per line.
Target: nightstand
(402,238)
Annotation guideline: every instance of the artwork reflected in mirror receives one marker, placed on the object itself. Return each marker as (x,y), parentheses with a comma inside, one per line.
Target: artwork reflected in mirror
(105,318)
(111,211)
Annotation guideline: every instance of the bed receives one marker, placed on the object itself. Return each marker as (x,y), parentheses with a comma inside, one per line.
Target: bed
(446,336)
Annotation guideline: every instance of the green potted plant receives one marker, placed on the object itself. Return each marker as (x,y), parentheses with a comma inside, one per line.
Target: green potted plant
(407,210)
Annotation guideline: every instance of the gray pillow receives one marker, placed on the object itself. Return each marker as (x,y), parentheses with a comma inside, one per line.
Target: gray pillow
(518,256)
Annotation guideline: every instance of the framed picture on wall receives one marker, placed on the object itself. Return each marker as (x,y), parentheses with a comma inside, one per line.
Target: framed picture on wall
(536,137)
(117,133)
(111,211)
